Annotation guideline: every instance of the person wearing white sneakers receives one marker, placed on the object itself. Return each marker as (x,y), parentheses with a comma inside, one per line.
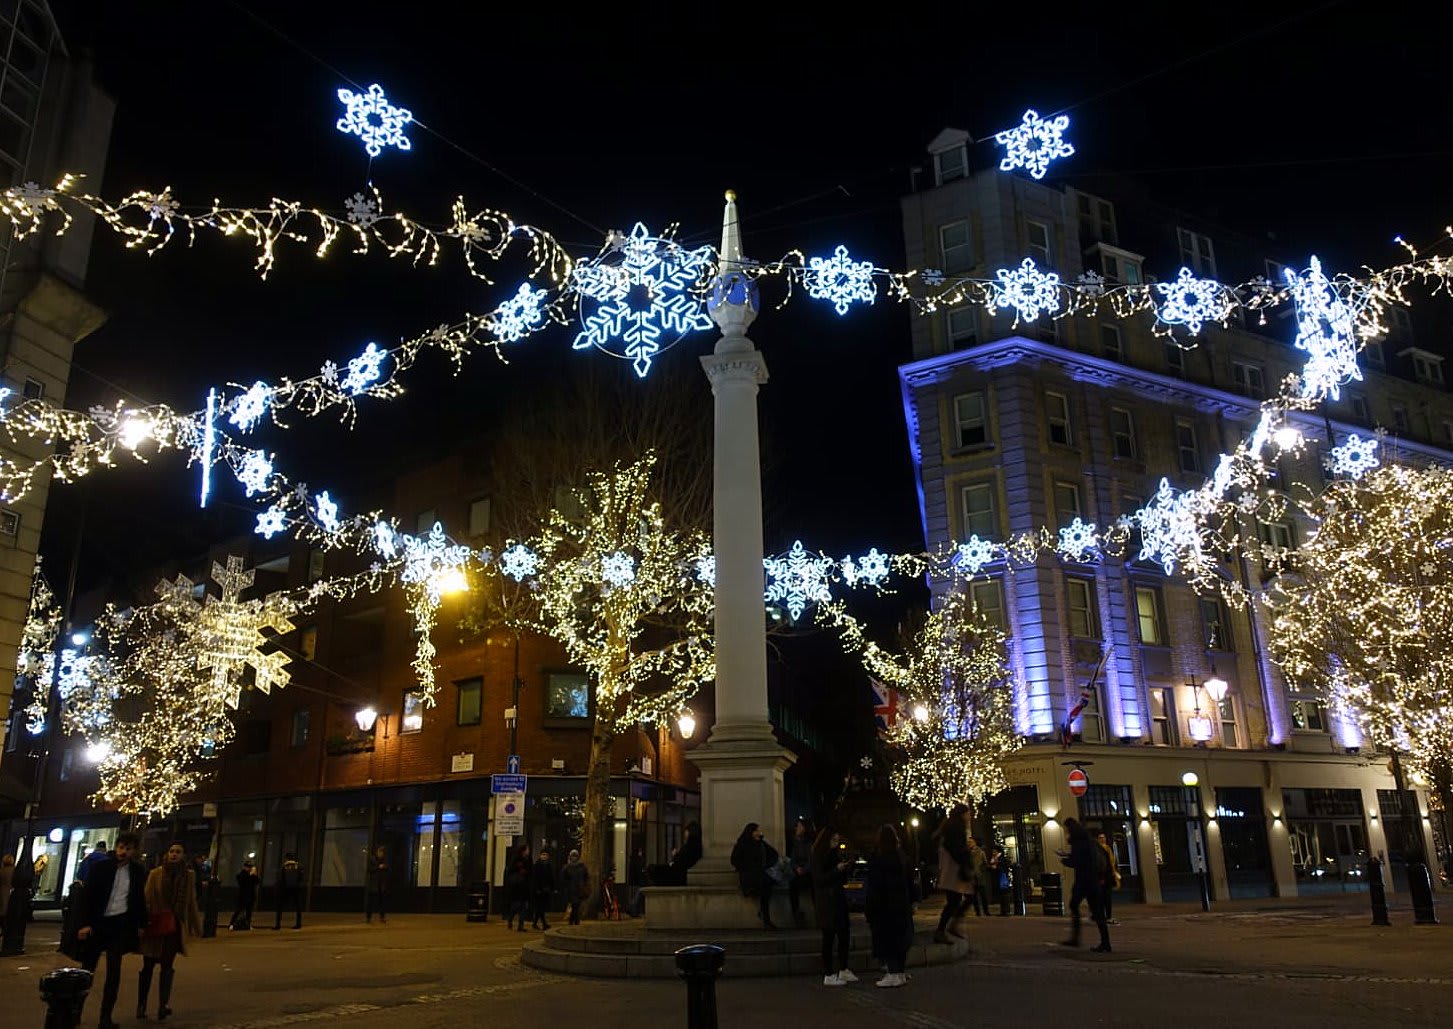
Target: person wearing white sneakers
(889,906)
(828,864)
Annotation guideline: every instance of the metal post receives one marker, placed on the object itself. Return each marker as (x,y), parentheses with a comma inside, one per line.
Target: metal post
(1205,885)
(1377,891)
(209,906)
(700,965)
(64,992)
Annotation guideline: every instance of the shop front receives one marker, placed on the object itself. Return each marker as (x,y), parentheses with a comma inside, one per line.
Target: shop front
(1241,825)
(1328,838)
(1107,809)
(1178,837)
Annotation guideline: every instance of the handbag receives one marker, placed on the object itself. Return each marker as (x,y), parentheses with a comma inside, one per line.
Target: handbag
(1003,881)
(161,923)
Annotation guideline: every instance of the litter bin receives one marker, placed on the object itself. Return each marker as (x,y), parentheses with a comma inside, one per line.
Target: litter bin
(1054,894)
(478,910)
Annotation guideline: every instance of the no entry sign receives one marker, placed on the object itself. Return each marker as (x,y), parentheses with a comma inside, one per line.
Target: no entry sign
(1079,782)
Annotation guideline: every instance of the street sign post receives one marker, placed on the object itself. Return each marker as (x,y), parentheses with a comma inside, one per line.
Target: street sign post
(508,783)
(1079,782)
(512,765)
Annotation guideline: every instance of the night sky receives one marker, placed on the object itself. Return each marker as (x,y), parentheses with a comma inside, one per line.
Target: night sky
(1326,124)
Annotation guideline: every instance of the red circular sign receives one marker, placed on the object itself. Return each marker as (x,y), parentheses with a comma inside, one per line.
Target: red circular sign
(1079,782)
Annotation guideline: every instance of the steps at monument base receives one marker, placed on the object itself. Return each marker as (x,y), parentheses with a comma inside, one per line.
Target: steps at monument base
(643,954)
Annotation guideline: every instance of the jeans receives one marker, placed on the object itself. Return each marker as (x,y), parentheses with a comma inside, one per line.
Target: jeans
(107,938)
(955,905)
(841,934)
(537,912)
(1093,895)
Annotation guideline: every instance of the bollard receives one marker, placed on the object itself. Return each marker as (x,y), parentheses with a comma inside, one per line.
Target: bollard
(64,992)
(209,906)
(1420,889)
(1204,885)
(1377,891)
(700,966)
(1052,886)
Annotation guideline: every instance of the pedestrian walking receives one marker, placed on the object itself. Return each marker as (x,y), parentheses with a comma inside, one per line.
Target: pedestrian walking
(289,890)
(375,897)
(1000,875)
(575,882)
(1088,861)
(752,857)
(171,915)
(98,855)
(115,911)
(828,868)
(799,859)
(542,888)
(1109,882)
(889,906)
(7,877)
(248,883)
(979,866)
(517,887)
(202,872)
(954,873)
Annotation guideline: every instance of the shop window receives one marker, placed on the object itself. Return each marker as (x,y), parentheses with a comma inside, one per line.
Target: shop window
(346,833)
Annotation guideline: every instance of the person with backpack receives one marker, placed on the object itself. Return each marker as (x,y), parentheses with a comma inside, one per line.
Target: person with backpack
(1091,865)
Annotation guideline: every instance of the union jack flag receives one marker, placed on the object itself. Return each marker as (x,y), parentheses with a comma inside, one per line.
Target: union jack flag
(887,704)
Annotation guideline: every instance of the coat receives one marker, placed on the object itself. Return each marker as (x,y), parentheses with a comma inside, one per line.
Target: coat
(953,858)
(542,879)
(687,855)
(247,884)
(7,877)
(829,899)
(98,892)
(751,858)
(575,881)
(177,894)
(889,904)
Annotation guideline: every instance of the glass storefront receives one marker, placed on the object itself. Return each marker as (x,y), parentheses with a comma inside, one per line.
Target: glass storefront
(1017,825)
(1328,839)
(343,854)
(1108,810)
(1179,839)
(1241,823)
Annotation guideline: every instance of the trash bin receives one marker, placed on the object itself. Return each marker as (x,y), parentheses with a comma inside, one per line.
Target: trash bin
(1054,895)
(478,910)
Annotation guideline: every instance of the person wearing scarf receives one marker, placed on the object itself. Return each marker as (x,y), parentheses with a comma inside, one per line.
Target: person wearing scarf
(171,915)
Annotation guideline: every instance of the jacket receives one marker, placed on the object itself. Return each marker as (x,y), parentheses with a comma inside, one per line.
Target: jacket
(687,855)
(751,858)
(179,896)
(290,876)
(377,874)
(799,855)
(247,883)
(98,892)
(953,858)
(889,899)
(575,878)
(1082,859)
(829,899)
(542,878)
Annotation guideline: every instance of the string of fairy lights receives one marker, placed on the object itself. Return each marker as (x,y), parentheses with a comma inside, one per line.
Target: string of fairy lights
(639,295)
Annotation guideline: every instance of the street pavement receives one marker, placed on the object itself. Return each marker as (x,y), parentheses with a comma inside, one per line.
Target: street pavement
(1286,963)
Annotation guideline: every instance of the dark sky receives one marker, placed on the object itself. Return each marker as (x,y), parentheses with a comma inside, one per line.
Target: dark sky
(1327,124)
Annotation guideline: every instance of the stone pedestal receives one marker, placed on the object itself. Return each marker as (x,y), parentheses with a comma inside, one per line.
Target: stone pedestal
(741,782)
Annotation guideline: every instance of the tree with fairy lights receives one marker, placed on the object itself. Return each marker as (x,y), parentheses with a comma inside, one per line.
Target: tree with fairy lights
(958,695)
(1365,615)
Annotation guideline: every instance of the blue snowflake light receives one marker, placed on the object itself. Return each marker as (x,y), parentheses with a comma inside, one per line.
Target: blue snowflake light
(255,471)
(432,562)
(1028,290)
(1078,541)
(973,555)
(374,120)
(363,370)
(249,407)
(271,522)
(618,569)
(1355,457)
(1326,331)
(706,570)
(1190,301)
(519,561)
(840,280)
(797,579)
(326,512)
(871,568)
(1033,143)
(521,314)
(644,302)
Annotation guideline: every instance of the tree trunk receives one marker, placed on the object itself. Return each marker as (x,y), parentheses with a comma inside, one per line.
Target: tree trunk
(599,813)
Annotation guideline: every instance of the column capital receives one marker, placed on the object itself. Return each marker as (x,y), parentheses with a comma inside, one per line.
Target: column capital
(745,367)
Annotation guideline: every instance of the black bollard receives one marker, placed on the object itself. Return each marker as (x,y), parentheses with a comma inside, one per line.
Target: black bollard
(209,906)
(1420,889)
(1204,884)
(1377,891)
(64,992)
(700,965)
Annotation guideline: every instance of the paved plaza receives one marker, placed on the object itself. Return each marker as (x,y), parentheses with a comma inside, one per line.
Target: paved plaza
(1284,963)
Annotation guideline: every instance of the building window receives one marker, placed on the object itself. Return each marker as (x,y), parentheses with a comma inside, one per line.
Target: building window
(1162,722)
(949,165)
(1400,417)
(308,643)
(1360,411)
(425,521)
(956,246)
(1307,716)
(1175,359)
(1092,719)
(989,602)
(1426,369)
(301,720)
(567,695)
(1148,616)
(1040,243)
(1230,736)
(963,327)
(1277,535)
(1122,433)
(1111,347)
(971,424)
(1129,507)
(479,516)
(471,697)
(315,564)
(9,525)
(1119,268)
(980,518)
(1215,627)
(1188,452)
(1197,253)
(1084,614)
(413,719)
(1275,272)
(1097,220)
(33,389)
(1057,413)
(1066,502)
(1249,380)
(1400,324)
(1373,355)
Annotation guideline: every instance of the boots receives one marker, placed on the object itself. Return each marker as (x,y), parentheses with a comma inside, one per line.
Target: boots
(956,928)
(143,989)
(162,1011)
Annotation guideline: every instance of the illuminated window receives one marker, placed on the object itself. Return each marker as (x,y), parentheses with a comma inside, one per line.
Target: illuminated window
(1230,735)
(1307,716)
(413,719)
(1148,616)
(567,695)
(980,518)
(1084,615)
(1162,722)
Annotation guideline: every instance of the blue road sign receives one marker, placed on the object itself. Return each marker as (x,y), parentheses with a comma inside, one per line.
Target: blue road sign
(507,783)
(513,764)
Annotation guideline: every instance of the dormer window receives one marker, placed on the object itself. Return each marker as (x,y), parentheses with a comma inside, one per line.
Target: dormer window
(1427,368)
(1119,267)
(949,165)
(1097,220)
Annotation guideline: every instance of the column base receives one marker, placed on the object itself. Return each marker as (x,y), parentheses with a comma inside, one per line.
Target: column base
(741,781)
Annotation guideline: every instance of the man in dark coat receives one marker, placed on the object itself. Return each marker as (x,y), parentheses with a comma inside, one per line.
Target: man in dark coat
(115,912)
(289,890)
(247,885)
(375,897)
(542,887)
(1082,857)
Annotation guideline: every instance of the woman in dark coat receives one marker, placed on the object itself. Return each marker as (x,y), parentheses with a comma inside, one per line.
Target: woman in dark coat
(517,887)
(829,868)
(751,857)
(889,906)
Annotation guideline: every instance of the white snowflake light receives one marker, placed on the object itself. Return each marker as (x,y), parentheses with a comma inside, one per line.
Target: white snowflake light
(1326,331)
(519,561)
(383,540)
(1190,301)
(233,631)
(1168,526)
(326,512)
(271,522)
(866,763)
(933,276)
(363,370)
(1355,457)
(871,568)
(374,120)
(644,302)
(1078,540)
(362,210)
(255,471)
(973,555)
(1034,143)
(706,570)
(1028,290)
(1091,283)
(520,315)
(797,579)
(840,280)
(248,408)
(618,569)
(432,562)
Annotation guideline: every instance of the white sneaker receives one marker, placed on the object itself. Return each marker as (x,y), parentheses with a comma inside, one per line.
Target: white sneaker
(833,980)
(847,976)
(890,980)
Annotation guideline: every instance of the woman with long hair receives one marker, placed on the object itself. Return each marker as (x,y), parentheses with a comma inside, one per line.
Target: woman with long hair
(955,873)
(171,916)
(752,856)
(829,867)
(889,906)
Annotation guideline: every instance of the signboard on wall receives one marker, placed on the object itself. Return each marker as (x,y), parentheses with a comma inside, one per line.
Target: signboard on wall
(509,814)
(462,763)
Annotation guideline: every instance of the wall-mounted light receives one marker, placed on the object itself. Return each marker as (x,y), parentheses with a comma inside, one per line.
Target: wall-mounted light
(686,722)
(1190,779)
(1372,815)
(920,712)
(1144,820)
(913,821)
(1276,819)
(365,719)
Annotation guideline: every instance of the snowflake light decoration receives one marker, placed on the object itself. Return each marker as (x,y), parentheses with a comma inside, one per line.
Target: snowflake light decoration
(232,637)
(255,471)
(250,406)
(271,522)
(326,512)
(1078,540)
(519,561)
(866,763)
(706,570)
(871,568)
(520,315)
(644,302)
(363,370)
(1190,301)
(1355,457)
(374,120)
(618,569)
(797,579)
(1028,290)
(432,562)
(362,210)
(383,540)
(840,280)
(1326,331)
(74,674)
(1033,143)
(1168,525)
(973,555)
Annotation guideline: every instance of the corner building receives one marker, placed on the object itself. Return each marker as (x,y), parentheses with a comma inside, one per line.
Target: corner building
(1012,429)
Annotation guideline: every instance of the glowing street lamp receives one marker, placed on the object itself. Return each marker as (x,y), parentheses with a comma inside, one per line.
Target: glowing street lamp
(686,722)
(365,719)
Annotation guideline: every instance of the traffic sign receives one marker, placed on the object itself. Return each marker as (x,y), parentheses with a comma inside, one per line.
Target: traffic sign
(509,814)
(1079,782)
(507,783)
(512,765)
